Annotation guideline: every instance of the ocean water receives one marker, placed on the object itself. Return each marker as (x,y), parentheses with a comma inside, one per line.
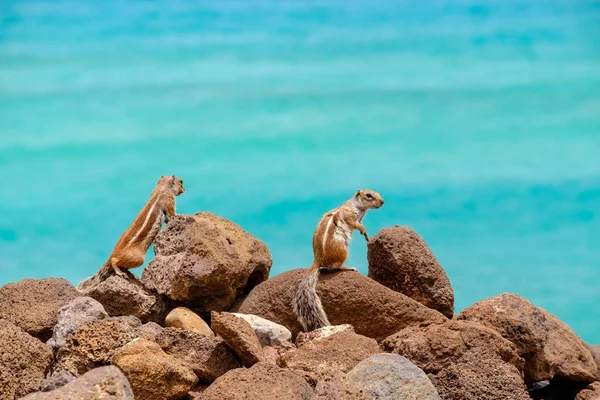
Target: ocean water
(478,121)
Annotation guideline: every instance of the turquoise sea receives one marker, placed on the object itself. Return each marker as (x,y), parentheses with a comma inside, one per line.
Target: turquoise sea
(478,121)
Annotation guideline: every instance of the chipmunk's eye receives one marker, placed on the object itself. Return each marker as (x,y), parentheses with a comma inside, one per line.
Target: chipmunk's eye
(369,196)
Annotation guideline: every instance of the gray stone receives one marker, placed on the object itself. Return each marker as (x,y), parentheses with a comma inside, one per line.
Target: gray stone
(106,383)
(322,333)
(57,380)
(392,377)
(269,333)
(71,316)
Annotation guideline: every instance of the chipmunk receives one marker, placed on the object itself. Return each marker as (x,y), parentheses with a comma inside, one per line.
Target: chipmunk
(131,248)
(330,247)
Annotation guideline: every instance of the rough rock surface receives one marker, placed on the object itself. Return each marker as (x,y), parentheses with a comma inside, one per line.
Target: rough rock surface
(392,377)
(239,335)
(128,296)
(338,352)
(72,315)
(150,330)
(33,304)
(57,380)
(338,386)
(24,361)
(464,360)
(152,373)
(550,348)
(262,381)
(348,298)
(592,392)
(184,318)
(207,356)
(106,383)
(206,260)
(595,350)
(93,344)
(401,260)
(269,333)
(322,333)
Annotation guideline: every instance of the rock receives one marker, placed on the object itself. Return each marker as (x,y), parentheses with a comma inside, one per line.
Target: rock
(338,352)
(269,333)
(322,333)
(271,354)
(401,260)
(592,392)
(348,298)
(556,389)
(464,360)
(150,330)
(72,315)
(128,296)
(152,373)
(57,380)
(33,304)
(262,381)
(338,386)
(106,383)
(207,261)
(196,393)
(392,377)
(24,361)
(595,350)
(550,348)
(94,343)
(207,356)
(184,318)
(239,335)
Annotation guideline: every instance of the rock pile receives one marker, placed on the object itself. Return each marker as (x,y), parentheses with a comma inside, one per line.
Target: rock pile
(204,322)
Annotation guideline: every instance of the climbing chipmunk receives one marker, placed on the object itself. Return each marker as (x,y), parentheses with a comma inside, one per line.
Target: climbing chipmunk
(131,248)
(330,247)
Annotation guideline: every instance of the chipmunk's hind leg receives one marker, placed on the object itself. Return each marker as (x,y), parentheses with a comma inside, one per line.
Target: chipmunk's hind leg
(114,263)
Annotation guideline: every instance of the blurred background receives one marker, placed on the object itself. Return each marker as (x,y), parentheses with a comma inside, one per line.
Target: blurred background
(478,121)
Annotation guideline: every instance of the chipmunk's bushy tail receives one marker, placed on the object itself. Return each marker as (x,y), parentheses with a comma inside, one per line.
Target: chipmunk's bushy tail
(95,279)
(306,304)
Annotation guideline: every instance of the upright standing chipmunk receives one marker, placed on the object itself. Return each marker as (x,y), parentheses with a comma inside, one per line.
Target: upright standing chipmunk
(330,247)
(131,248)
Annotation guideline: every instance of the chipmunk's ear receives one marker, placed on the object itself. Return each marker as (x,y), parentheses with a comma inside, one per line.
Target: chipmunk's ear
(357,193)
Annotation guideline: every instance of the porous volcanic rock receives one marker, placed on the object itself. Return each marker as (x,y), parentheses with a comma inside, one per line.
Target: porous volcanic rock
(348,298)
(206,262)
(464,360)
(338,386)
(128,296)
(33,304)
(595,350)
(269,333)
(152,373)
(184,318)
(24,361)
(57,380)
(106,383)
(338,352)
(550,348)
(239,335)
(94,343)
(592,392)
(262,381)
(207,356)
(401,260)
(71,316)
(392,377)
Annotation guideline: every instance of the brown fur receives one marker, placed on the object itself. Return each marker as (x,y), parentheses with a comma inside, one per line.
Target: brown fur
(131,248)
(330,247)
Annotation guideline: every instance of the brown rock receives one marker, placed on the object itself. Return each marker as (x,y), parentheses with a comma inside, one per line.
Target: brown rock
(592,392)
(464,360)
(106,383)
(94,343)
(550,348)
(401,260)
(338,352)
(150,330)
(261,382)
(239,335)
(184,318)
(338,386)
(33,304)
(595,350)
(128,296)
(322,333)
(24,361)
(207,261)
(207,356)
(348,298)
(271,354)
(152,373)
(196,393)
